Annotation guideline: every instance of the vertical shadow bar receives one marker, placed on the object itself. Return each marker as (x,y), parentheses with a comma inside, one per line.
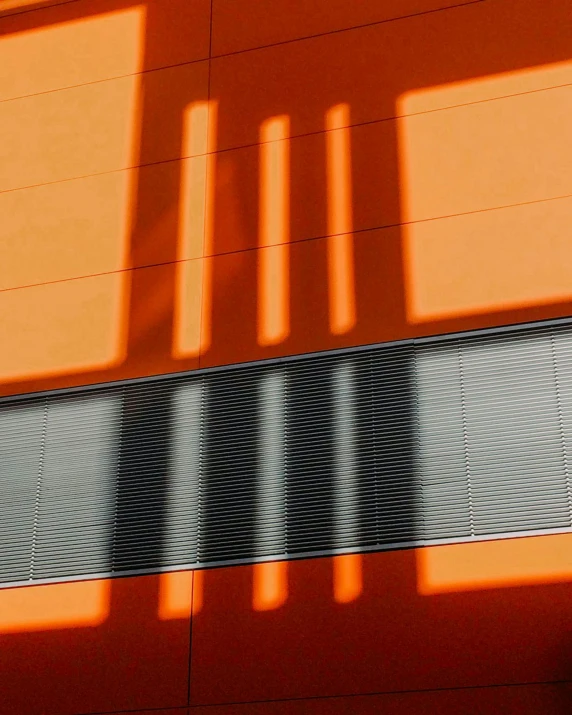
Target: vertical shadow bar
(228,518)
(310,456)
(397,492)
(143,477)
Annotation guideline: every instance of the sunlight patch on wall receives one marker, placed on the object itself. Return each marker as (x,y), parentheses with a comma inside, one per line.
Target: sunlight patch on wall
(193,283)
(481,89)
(484,262)
(65,230)
(505,563)
(56,328)
(484,194)
(70,133)
(52,607)
(63,328)
(71,53)
(274,232)
(269,585)
(341,278)
(348,577)
(175,595)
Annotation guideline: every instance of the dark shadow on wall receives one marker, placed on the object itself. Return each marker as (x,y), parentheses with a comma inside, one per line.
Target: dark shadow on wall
(135,660)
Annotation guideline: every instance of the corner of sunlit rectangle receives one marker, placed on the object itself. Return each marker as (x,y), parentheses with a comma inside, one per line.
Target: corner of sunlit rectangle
(43,328)
(74,195)
(503,563)
(81,604)
(484,191)
(72,51)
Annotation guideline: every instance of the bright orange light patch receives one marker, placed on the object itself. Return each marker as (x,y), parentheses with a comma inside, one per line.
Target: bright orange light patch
(494,564)
(76,132)
(481,89)
(487,155)
(175,595)
(348,578)
(60,121)
(70,53)
(495,260)
(269,586)
(274,232)
(54,606)
(65,230)
(193,182)
(341,278)
(62,328)
(192,241)
(187,319)
(206,280)
(478,185)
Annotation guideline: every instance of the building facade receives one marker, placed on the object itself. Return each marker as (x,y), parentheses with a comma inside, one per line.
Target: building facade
(285,357)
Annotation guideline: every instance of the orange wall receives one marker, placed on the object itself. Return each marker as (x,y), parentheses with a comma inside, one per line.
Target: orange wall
(180,191)
(468,620)
(124,655)
(392,635)
(118,219)
(525,700)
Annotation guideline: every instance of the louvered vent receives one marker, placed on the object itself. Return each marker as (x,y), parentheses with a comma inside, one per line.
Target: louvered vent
(455,438)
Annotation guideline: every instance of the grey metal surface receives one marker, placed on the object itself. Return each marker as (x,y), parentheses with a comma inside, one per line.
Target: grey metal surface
(460,438)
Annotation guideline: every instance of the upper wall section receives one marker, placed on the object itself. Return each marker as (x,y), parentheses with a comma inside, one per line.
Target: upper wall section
(68,44)
(334,174)
(248,24)
(372,68)
(97,127)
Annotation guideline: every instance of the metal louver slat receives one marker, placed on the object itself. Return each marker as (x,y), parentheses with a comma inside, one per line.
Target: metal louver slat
(441,449)
(77,498)
(21,450)
(184,489)
(398,492)
(535,413)
(456,438)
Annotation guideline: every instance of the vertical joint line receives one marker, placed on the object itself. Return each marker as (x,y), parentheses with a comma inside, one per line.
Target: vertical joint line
(39,487)
(465,439)
(561,427)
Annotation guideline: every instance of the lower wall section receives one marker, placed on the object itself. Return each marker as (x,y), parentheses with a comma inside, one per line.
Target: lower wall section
(371,624)
(132,654)
(551,699)
(170,711)
(472,629)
